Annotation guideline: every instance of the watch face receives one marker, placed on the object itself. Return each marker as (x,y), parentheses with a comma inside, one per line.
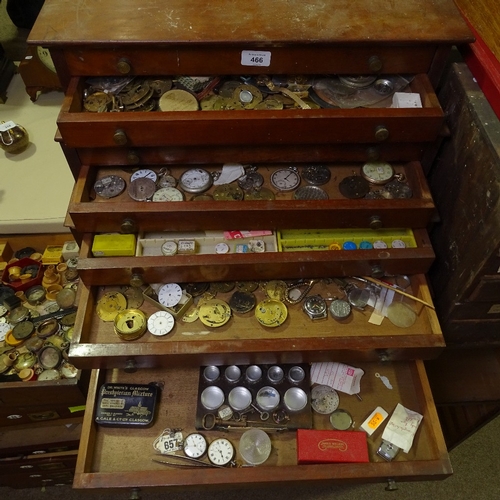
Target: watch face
(168,194)
(195,445)
(315,307)
(324,399)
(377,172)
(160,323)
(130,324)
(285,179)
(220,451)
(170,295)
(4,329)
(45,57)
(195,180)
(144,172)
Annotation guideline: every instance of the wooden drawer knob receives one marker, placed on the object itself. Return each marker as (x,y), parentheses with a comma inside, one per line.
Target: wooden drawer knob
(136,280)
(373,154)
(133,158)
(128,226)
(130,366)
(381,133)
(375,64)
(124,67)
(120,137)
(375,222)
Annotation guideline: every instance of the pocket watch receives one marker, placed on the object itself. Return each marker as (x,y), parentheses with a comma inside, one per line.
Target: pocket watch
(377,172)
(195,445)
(144,173)
(221,452)
(315,307)
(354,187)
(340,309)
(168,194)
(214,313)
(160,323)
(109,186)
(271,313)
(285,179)
(195,180)
(324,399)
(317,175)
(170,295)
(141,189)
(228,192)
(165,179)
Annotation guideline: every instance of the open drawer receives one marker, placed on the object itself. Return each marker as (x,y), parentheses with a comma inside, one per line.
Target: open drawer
(249,127)
(122,458)
(92,213)
(243,339)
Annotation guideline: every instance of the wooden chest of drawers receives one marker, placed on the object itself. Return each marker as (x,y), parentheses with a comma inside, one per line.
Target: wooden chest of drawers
(342,38)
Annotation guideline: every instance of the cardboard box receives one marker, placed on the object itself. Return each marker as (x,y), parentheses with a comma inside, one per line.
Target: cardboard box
(5,252)
(322,447)
(113,245)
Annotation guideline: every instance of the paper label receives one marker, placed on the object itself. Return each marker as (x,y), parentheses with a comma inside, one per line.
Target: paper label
(341,377)
(376,417)
(255,58)
(7,126)
(401,428)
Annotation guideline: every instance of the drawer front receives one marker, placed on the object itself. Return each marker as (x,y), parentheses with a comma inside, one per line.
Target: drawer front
(215,60)
(99,466)
(217,128)
(91,213)
(244,339)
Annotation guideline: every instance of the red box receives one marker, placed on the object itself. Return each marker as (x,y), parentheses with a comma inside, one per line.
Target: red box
(322,447)
(17,285)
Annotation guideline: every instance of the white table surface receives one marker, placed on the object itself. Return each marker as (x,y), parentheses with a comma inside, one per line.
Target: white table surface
(35,185)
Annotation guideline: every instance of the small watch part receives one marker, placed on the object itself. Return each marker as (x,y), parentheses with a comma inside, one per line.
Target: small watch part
(195,445)
(260,194)
(221,452)
(396,189)
(247,286)
(315,307)
(251,181)
(242,302)
(324,399)
(221,248)
(141,189)
(285,179)
(49,357)
(168,194)
(271,313)
(130,324)
(197,289)
(228,192)
(340,309)
(35,295)
(276,289)
(222,286)
(144,173)
(109,186)
(377,172)
(316,175)
(310,193)
(354,187)
(170,294)
(214,313)
(23,330)
(110,304)
(18,314)
(195,180)
(248,95)
(169,248)
(160,323)
(398,244)
(341,420)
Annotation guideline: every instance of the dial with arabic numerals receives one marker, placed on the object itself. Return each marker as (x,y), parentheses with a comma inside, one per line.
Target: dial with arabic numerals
(170,295)
(285,179)
(221,452)
(144,172)
(195,445)
(195,180)
(160,323)
(168,194)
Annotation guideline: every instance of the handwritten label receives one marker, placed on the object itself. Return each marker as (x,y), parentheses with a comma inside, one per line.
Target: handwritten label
(255,58)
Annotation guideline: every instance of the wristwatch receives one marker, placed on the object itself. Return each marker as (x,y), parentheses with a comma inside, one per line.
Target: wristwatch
(315,307)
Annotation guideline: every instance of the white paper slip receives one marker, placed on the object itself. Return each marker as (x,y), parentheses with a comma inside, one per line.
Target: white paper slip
(341,377)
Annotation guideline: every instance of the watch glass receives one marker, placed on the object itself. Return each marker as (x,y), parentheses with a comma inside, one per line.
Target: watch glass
(221,451)
(195,445)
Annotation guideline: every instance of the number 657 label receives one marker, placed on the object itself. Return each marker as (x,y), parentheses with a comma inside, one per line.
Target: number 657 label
(255,58)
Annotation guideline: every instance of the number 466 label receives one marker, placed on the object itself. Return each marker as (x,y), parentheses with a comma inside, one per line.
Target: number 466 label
(255,58)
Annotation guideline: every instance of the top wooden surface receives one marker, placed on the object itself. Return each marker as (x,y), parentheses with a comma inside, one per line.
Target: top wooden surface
(258,22)
(483,16)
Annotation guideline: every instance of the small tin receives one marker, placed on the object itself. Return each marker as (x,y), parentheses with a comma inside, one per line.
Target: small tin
(126,405)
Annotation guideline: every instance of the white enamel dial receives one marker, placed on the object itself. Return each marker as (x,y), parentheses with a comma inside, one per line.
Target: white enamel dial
(377,172)
(285,179)
(144,172)
(195,180)
(160,323)
(220,451)
(4,329)
(195,445)
(170,295)
(168,194)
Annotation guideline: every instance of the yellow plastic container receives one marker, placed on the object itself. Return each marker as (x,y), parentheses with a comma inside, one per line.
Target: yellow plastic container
(113,245)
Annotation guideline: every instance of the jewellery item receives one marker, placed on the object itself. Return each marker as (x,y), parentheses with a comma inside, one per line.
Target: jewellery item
(340,309)
(315,307)
(141,189)
(377,172)
(228,192)
(324,399)
(109,186)
(168,194)
(170,294)
(195,445)
(144,173)
(195,180)
(271,313)
(242,302)
(341,420)
(110,304)
(310,193)
(160,323)
(316,175)
(285,179)
(221,452)
(214,313)
(130,324)
(354,187)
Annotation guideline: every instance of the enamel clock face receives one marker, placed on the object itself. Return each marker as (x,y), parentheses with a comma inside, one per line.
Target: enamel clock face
(377,172)
(160,323)
(195,180)
(168,194)
(285,179)
(221,452)
(170,295)
(195,445)
(144,172)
